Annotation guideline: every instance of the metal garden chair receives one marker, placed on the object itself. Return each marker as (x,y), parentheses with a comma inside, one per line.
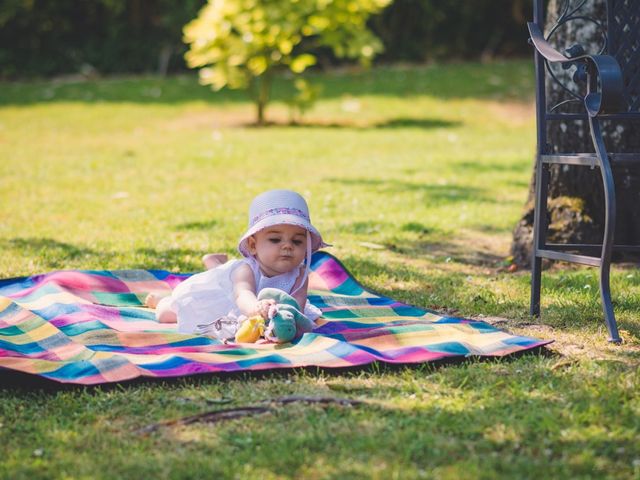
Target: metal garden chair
(611,93)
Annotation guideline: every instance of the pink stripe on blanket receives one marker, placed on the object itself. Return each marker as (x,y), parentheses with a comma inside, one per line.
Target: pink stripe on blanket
(332,273)
(77,282)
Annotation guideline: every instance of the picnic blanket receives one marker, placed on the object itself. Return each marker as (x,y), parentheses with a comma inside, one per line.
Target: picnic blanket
(91,327)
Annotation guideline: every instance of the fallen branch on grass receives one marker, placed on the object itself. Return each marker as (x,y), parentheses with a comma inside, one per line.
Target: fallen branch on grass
(321,400)
(216,416)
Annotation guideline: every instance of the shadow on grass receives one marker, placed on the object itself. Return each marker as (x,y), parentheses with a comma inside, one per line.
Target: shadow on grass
(402,122)
(430,242)
(372,226)
(448,251)
(507,418)
(493,167)
(442,291)
(184,260)
(492,229)
(432,192)
(417,123)
(576,301)
(201,225)
(54,255)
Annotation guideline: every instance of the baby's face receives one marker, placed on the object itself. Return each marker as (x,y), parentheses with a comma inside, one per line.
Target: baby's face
(279,249)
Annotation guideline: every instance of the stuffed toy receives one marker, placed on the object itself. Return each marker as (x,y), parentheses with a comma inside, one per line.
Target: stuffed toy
(285,321)
(251,329)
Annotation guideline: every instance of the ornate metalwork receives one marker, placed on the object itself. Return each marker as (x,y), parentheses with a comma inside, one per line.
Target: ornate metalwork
(612,86)
(605,88)
(624,24)
(571,13)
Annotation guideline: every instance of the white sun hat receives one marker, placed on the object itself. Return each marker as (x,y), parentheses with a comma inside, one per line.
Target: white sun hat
(280,207)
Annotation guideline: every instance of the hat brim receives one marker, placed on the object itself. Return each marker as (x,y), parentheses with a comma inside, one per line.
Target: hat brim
(283,219)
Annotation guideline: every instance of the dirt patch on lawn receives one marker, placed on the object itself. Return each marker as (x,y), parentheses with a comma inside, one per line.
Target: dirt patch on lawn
(212,119)
(518,113)
(215,119)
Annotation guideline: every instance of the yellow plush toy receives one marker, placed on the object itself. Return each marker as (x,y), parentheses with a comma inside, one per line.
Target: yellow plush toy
(250,330)
(285,323)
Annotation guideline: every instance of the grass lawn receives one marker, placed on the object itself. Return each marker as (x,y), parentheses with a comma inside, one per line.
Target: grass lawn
(417,175)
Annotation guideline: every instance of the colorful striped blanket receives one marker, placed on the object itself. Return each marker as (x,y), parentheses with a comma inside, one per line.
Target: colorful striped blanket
(90,327)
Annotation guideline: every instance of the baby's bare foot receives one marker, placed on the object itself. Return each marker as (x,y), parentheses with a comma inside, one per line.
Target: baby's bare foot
(152,300)
(213,260)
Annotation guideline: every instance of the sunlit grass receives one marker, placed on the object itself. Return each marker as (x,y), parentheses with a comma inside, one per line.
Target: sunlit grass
(417,176)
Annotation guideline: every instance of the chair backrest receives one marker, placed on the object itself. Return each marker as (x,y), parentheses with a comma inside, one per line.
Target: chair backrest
(563,108)
(623,31)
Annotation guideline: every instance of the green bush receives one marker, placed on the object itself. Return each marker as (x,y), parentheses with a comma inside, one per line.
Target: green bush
(419,30)
(242,43)
(42,38)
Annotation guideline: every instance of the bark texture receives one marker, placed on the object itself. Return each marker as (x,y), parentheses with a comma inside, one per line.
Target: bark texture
(576,198)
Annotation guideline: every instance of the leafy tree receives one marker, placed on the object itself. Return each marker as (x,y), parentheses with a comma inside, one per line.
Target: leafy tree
(242,43)
(305,97)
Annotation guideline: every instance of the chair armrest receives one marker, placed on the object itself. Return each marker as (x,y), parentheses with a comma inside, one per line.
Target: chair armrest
(543,47)
(605,86)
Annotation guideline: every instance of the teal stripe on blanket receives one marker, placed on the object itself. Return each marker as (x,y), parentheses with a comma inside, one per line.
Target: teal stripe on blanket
(89,327)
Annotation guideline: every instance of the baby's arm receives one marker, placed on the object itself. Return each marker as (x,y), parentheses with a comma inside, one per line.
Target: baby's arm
(301,294)
(244,291)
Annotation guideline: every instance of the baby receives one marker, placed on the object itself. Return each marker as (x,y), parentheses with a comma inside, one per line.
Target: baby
(277,250)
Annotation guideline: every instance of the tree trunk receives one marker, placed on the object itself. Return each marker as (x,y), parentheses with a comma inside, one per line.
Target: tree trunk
(260,93)
(260,113)
(576,198)
(264,94)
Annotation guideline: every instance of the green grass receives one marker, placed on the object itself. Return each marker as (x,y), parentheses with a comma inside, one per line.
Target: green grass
(417,176)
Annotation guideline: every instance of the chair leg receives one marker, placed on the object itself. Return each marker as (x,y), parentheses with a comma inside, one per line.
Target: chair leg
(607,305)
(539,234)
(536,277)
(609,227)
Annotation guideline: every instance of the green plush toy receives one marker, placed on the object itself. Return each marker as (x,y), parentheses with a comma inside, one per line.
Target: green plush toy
(286,321)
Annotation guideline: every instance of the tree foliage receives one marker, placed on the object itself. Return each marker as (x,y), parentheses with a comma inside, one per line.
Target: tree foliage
(419,30)
(241,43)
(41,38)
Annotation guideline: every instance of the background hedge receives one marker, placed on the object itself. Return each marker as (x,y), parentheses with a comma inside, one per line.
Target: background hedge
(44,38)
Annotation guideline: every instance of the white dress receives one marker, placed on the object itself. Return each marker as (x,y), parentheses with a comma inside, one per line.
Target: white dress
(204,303)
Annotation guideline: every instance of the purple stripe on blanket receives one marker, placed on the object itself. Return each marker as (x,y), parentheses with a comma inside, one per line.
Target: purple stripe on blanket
(89,327)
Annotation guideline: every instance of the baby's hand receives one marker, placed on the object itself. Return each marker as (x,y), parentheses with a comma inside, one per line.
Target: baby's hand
(263,306)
